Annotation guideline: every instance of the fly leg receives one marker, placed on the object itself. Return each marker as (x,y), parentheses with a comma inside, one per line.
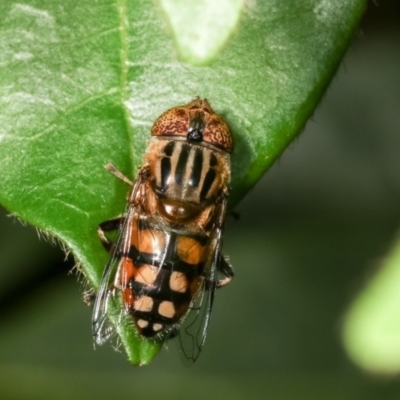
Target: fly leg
(106,226)
(109,226)
(225,269)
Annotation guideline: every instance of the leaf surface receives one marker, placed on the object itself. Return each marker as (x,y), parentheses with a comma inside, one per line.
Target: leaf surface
(81,83)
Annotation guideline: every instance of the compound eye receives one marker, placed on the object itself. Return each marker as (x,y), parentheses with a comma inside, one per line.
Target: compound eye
(174,122)
(196,121)
(218,134)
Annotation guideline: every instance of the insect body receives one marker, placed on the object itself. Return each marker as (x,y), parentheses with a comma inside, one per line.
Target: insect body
(166,260)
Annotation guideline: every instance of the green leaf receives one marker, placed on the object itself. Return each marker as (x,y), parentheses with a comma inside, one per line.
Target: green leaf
(82,82)
(201,28)
(371,331)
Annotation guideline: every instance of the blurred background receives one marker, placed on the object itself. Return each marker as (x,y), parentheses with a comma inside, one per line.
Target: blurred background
(310,236)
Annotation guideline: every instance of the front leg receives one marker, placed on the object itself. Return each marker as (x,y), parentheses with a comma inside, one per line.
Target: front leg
(109,226)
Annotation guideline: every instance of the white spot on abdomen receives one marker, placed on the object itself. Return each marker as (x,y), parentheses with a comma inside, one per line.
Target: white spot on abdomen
(178,282)
(143,303)
(142,323)
(157,327)
(166,309)
(147,274)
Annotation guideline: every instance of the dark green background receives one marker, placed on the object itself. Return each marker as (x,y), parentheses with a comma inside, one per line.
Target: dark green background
(310,234)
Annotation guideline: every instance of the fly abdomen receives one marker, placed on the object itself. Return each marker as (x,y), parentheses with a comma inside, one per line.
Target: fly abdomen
(158,306)
(159,291)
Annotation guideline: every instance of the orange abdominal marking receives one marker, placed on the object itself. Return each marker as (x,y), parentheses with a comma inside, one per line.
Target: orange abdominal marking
(189,250)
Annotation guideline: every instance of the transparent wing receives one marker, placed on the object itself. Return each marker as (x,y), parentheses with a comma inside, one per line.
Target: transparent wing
(102,328)
(193,330)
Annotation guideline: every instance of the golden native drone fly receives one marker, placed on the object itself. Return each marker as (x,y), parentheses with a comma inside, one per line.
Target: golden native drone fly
(166,260)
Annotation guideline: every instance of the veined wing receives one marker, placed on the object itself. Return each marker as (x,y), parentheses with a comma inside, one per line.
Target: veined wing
(193,330)
(107,292)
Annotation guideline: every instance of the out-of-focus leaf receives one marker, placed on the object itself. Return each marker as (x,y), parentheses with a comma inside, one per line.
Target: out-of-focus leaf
(372,329)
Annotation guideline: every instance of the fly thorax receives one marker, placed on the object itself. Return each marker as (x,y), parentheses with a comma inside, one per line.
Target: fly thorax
(177,211)
(187,173)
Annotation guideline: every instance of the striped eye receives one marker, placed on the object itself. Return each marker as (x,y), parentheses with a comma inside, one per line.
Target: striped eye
(196,121)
